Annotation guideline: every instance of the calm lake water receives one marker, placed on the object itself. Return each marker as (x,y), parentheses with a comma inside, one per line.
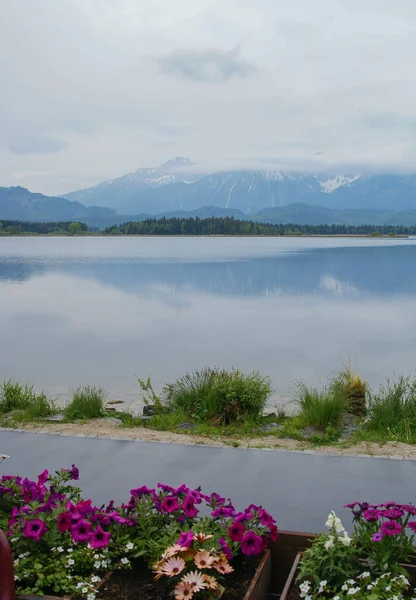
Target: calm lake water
(105,310)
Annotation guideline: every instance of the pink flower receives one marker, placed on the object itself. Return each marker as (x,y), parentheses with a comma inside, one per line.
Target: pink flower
(64,522)
(34,530)
(185,539)
(43,477)
(377,537)
(273,532)
(372,514)
(170,504)
(265,518)
(188,507)
(412,525)
(391,528)
(251,544)
(226,549)
(236,531)
(99,538)
(81,531)
(393,513)
(142,491)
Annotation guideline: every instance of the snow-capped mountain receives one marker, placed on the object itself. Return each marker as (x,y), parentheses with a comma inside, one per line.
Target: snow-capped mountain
(177,185)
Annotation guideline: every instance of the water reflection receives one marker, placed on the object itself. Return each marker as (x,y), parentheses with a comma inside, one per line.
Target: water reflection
(71,320)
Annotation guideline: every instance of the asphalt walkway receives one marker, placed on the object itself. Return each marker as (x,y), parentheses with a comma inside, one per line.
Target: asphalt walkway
(298,489)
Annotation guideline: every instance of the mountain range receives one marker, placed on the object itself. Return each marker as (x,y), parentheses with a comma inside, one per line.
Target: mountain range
(178,188)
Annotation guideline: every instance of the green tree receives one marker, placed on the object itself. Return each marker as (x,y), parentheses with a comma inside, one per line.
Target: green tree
(74,228)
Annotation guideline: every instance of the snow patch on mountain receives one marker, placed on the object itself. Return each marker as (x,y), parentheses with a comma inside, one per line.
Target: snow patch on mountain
(334,183)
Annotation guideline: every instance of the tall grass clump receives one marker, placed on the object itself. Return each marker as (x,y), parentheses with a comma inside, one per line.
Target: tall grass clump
(321,408)
(392,410)
(218,396)
(88,402)
(15,396)
(356,390)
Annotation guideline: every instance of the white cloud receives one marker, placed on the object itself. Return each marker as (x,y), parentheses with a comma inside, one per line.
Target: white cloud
(331,85)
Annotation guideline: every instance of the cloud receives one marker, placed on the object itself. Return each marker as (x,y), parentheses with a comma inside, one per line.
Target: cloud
(36,146)
(319,86)
(210,65)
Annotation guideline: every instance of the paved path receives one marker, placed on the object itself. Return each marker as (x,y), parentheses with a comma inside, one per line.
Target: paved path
(298,489)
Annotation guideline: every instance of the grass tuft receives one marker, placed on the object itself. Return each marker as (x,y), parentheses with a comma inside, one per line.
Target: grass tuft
(322,408)
(88,402)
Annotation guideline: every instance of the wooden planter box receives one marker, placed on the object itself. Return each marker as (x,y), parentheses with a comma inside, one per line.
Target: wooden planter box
(258,588)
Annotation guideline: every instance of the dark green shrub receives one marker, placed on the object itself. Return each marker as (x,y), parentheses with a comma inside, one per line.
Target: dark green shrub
(15,396)
(321,408)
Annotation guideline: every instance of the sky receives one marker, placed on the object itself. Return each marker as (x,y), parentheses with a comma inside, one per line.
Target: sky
(93,89)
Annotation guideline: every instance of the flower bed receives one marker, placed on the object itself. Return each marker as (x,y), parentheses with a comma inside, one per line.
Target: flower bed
(64,546)
(372,564)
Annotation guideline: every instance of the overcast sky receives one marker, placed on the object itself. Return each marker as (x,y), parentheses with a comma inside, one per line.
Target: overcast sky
(92,89)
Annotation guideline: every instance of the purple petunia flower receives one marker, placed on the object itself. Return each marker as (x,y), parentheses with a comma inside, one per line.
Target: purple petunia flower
(236,531)
(74,473)
(81,531)
(265,518)
(43,477)
(251,544)
(166,488)
(226,549)
(223,511)
(34,530)
(100,538)
(142,491)
(170,504)
(185,539)
(391,528)
(377,537)
(412,525)
(188,507)
(64,521)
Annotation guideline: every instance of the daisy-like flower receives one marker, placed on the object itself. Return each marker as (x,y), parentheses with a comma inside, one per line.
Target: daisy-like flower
(203,559)
(196,580)
(173,566)
(157,569)
(183,591)
(202,537)
(173,550)
(223,567)
(211,582)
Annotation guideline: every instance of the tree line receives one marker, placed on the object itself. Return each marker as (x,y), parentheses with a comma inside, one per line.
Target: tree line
(61,227)
(231,226)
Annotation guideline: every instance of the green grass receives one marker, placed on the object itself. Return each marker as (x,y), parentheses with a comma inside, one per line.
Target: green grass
(23,403)
(321,408)
(218,396)
(392,411)
(88,402)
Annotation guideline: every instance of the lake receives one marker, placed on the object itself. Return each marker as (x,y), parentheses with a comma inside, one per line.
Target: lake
(106,310)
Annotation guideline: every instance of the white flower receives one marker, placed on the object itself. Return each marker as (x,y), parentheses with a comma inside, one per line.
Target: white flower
(16,562)
(339,527)
(345,539)
(14,540)
(329,543)
(71,562)
(95,579)
(16,578)
(60,549)
(84,590)
(69,576)
(125,561)
(388,588)
(70,550)
(91,597)
(24,555)
(344,588)
(97,556)
(330,521)
(130,546)
(97,564)
(322,585)
(370,586)
(304,589)
(335,598)
(363,575)
(353,591)
(79,585)
(104,563)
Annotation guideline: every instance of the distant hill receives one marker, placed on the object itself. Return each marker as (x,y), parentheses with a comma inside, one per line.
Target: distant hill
(18,204)
(178,185)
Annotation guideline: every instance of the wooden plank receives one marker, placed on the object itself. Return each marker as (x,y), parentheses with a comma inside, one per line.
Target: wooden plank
(260,584)
(284,553)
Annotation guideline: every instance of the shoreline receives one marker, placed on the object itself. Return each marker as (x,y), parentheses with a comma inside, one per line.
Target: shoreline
(213,235)
(96,429)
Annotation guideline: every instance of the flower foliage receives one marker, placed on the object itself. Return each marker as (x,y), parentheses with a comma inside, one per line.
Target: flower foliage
(363,587)
(63,544)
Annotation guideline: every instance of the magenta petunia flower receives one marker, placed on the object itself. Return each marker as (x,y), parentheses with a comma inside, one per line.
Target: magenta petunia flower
(170,504)
(185,539)
(34,530)
(372,514)
(43,477)
(64,521)
(166,488)
(81,531)
(377,537)
(142,491)
(223,511)
(188,507)
(99,538)
(236,531)
(226,549)
(274,534)
(391,528)
(412,525)
(84,508)
(265,518)
(252,544)
(409,508)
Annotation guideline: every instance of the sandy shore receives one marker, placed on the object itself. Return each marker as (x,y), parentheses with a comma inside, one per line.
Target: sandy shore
(98,428)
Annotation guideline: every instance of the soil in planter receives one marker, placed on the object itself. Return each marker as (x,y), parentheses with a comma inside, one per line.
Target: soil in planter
(138,583)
